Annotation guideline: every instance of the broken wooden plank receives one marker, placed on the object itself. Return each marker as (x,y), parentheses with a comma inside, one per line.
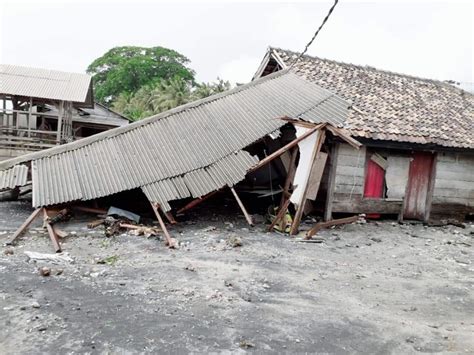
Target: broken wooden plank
(169,216)
(379,160)
(242,207)
(59,232)
(280,214)
(197,201)
(24,226)
(301,203)
(318,226)
(52,235)
(316,175)
(95,223)
(170,242)
(283,149)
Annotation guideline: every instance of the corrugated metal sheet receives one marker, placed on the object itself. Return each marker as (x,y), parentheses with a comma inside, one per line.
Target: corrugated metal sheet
(194,142)
(197,183)
(11,178)
(43,83)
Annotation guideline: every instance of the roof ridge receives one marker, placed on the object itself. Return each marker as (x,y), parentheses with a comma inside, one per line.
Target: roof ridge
(43,69)
(137,124)
(372,68)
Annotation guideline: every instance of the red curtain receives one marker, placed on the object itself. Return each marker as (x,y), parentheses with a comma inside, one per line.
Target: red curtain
(374,183)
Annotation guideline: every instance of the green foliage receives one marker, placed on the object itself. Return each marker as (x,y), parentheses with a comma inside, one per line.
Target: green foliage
(125,70)
(165,95)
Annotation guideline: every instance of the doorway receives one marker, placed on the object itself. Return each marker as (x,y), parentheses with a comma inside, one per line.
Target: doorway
(419,186)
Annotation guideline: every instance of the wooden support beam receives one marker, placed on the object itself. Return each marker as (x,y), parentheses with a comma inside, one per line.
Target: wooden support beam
(89,209)
(24,226)
(280,214)
(301,204)
(318,226)
(242,207)
(197,201)
(332,181)
(169,217)
(344,135)
(170,242)
(52,234)
(283,149)
(290,176)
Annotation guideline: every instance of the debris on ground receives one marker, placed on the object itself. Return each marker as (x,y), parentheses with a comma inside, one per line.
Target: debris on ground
(110,260)
(44,271)
(234,241)
(54,258)
(118,212)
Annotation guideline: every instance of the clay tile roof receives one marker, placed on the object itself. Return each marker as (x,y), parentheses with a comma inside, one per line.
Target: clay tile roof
(391,106)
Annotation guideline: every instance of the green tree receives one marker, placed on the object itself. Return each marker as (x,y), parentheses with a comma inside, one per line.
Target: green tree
(207,89)
(125,70)
(165,95)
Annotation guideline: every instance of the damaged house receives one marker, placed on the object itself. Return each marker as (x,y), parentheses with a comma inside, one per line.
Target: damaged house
(417,159)
(43,108)
(182,156)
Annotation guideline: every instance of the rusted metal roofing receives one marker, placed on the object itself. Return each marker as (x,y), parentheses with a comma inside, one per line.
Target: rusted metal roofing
(45,84)
(386,105)
(13,177)
(188,151)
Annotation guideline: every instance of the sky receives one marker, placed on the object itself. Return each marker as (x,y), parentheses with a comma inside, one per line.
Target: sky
(431,39)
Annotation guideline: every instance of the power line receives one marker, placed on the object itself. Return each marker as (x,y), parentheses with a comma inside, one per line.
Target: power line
(316,33)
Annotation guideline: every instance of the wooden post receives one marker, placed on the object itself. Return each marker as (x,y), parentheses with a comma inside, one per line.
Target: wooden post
(60,120)
(52,234)
(290,176)
(169,241)
(242,207)
(24,226)
(299,212)
(332,181)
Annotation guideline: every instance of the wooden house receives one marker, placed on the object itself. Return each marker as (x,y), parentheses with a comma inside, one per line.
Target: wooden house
(418,135)
(42,108)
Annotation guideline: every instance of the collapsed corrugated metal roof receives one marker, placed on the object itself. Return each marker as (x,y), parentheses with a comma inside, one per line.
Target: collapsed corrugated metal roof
(11,178)
(45,84)
(188,151)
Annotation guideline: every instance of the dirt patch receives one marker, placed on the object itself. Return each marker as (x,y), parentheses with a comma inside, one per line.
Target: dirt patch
(373,288)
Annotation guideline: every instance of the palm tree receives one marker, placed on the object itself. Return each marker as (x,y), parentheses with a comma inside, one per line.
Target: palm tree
(169,94)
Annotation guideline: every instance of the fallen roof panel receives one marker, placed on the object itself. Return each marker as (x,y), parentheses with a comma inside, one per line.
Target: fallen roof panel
(195,141)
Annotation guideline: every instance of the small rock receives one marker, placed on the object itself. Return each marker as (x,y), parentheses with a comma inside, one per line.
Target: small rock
(190,268)
(42,328)
(245,344)
(376,239)
(8,251)
(44,271)
(59,271)
(209,229)
(35,305)
(234,241)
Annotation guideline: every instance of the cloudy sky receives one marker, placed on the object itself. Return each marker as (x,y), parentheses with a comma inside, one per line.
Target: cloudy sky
(432,39)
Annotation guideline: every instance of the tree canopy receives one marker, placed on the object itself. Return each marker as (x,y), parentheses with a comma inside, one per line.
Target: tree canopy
(125,70)
(165,95)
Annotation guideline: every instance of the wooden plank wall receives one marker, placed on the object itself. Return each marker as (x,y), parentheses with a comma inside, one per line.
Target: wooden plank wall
(454,182)
(350,173)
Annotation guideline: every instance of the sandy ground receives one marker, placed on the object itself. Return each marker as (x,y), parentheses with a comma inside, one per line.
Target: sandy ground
(369,288)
